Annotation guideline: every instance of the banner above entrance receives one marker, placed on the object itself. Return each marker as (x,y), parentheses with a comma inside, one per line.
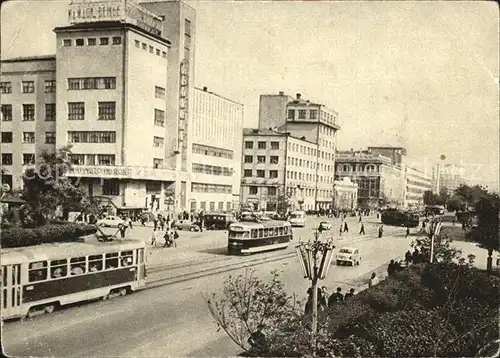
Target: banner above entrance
(125,172)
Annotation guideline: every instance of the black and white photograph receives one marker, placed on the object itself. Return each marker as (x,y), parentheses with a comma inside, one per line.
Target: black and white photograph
(243,178)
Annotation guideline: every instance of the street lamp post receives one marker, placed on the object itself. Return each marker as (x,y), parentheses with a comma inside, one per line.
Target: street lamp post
(315,258)
(433,232)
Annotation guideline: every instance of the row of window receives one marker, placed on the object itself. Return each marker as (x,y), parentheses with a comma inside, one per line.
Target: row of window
(91,83)
(291,192)
(106,111)
(150,48)
(91,137)
(28,158)
(261,159)
(212,169)
(91,41)
(302,114)
(92,159)
(212,151)
(308,164)
(271,191)
(27,86)
(359,168)
(309,177)
(28,112)
(159,118)
(56,269)
(203,206)
(29,137)
(260,173)
(262,145)
(210,188)
(294,147)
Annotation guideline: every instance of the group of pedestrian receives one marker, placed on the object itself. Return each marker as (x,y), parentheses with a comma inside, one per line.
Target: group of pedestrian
(170,237)
(326,300)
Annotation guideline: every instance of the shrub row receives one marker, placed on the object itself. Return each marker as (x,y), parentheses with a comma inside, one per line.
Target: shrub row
(18,237)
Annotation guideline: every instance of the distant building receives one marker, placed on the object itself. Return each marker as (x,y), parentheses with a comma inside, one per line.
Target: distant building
(416,184)
(217,130)
(345,194)
(378,180)
(313,122)
(449,176)
(278,171)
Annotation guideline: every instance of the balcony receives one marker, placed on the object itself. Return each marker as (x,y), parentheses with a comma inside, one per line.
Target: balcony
(126,172)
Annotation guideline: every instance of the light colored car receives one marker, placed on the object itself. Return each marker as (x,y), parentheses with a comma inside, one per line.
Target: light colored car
(186,225)
(111,221)
(325,225)
(348,255)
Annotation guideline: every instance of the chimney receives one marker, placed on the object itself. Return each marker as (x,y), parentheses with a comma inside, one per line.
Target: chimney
(205,89)
(281,93)
(298,95)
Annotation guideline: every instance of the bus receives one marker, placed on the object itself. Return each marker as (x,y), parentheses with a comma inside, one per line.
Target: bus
(247,237)
(39,279)
(400,218)
(297,218)
(434,210)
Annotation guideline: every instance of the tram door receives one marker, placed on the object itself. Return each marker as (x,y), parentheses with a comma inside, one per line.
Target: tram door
(141,265)
(11,290)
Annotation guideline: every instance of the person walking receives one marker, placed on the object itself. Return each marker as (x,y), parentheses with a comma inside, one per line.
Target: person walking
(373,280)
(130,223)
(362,230)
(349,294)
(168,239)
(346,228)
(341,228)
(155,223)
(154,237)
(415,257)
(162,223)
(380,231)
(337,297)
(407,231)
(391,268)
(408,257)
(122,229)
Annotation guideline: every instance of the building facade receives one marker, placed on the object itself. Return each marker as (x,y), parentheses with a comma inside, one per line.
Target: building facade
(345,195)
(217,132)
(313,122)
(416,184)
(28,113)
(449,176)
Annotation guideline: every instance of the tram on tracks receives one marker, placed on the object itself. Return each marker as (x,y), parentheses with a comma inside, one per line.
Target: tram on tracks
(38,279)
(248,237)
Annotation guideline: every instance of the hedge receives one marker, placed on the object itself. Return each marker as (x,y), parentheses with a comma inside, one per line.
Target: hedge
(18,237)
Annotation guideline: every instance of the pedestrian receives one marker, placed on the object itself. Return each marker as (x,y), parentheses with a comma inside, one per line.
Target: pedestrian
(162,223)
(408,257)
(176,236)
(337,297)
(324,296)
(373,280)
(168,239)
(380,231)
(154,237)
(415,257)
(143,222)
(359,218)
(122,229)
(155,223)
(346,228)
(341,228)
(407,231)
(362,231)
(349,294)
(130,223)
(391,268)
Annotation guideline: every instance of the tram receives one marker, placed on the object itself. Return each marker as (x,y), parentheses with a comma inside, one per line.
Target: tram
(37,279)
(248,237)
(400,218)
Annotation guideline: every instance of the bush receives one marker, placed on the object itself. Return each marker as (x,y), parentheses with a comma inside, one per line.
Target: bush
(18,237)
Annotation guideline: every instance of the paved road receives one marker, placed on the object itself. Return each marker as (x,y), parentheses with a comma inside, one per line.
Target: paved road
(173,320)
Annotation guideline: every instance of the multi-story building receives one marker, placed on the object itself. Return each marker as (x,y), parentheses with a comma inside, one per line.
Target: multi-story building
(377,178)
(28,113)
(345,194)
(449,176)
(217,129)
(416,184)
(316,124)
(278,170)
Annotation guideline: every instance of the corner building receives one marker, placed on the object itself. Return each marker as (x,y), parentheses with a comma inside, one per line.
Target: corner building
(312,122)
(111,80)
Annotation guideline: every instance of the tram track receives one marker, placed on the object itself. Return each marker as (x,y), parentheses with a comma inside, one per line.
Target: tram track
(222,267)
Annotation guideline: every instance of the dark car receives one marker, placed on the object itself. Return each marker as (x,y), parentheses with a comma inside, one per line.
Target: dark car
(218,221)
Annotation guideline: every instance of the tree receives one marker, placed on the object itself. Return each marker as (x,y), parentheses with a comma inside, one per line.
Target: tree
(429,197)
(456,203)
(487,233)
(46,187)
(471,194)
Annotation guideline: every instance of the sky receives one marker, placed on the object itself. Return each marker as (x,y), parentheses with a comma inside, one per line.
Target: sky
(422,75)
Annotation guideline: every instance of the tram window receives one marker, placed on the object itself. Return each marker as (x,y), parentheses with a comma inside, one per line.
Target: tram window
(261,232)
(140,252)
(58,268)
(95,263)
(126,258)
(77,265)
(111,260)
(4,275)
(37,271)
(254,233)
(17,279)
(4,298)
(280,231)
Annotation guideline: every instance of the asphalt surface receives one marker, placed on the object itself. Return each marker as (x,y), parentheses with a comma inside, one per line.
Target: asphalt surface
(170,318)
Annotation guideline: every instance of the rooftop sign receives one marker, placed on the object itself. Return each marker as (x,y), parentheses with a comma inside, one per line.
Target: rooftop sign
(85,11)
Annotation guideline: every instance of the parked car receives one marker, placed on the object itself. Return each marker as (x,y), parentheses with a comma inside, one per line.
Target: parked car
(325,225)
(111,221)
(186,225)
(348,255)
